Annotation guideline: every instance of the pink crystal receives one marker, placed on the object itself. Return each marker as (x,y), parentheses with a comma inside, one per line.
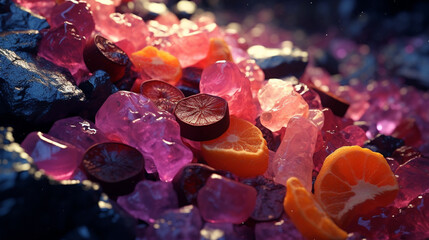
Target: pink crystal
(136,121)
(354,135)
(282,229)
(149,200)
(63,46)
(294,158)
(255,75)
(77,131)
(317,117)
(57,158)
(101,10)
(279,102)
(76,12)
(222,200)
(40,7)
(225,80)
(413,179)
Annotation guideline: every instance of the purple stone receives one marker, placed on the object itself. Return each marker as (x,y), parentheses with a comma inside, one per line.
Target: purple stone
(282,229)
(77,131)
(223,200)
(413,179)
(182,223)
(149,200)
(63,45)
(136,121)
(269,201)
(76,12)
(57,158)
(225,231)
(354,135)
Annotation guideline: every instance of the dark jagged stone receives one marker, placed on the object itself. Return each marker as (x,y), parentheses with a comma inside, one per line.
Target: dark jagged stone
(14,18)
(385,145)
(269,201)
(273,142)
(63,209)
(188,91)
(35,90)
(191,76)
(325,60)
(280,63)
(96,89)
(127,81)
(26,40)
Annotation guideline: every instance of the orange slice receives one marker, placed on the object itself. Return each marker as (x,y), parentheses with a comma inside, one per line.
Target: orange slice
(241,150)
(157,64)
(307,215)
(354,181)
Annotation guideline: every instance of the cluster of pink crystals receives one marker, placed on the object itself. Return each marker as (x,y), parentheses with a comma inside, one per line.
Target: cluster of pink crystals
(136,121)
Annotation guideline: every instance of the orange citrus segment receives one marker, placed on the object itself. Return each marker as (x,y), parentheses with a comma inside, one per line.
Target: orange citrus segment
(309,218)
(157,64)
(241,150)
(218,50)
(354,181)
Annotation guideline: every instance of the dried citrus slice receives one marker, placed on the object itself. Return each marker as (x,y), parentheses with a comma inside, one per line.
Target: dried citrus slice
(354,181)
(309,218)
(164,95)
(157,64)
(202,117)
(241,150)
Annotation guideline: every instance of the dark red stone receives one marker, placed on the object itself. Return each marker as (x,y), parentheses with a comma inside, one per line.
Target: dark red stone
(338,105)
(405,153)
(409,131)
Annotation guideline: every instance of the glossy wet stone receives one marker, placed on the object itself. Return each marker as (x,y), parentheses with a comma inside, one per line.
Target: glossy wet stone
(189,180)
(57,158)
(383,144)
(149,200)
(222,200)
(182,223)
(134,120)
(269,201)
(24,40)
(11,153)
(280,62)
(14,18)
(405,153)
(310,96)
(413,179)
(49,93)
(282,229)
(77,131)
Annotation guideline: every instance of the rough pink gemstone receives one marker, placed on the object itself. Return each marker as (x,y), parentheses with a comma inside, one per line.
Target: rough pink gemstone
(136,121)
(413,179)
(149,200)
(294,157)
(76,12)
(225,231)
(41,7)
(127,30)
(223,200)
(309,95)
(57,158)
(279,102)
(254,73)
(270,170)
(77,131)
(101,9)
(354,135)
(63,46)
(225,80)
(282,229)
(317,117)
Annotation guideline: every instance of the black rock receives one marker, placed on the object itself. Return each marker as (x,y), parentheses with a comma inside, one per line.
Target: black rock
(35,91)
(47,209)
(280,62)
(96,89)
(325,60)
(383,144)
(188,91)
(191,76)
(273,142)
(20,40)
(14,18)
(269,201)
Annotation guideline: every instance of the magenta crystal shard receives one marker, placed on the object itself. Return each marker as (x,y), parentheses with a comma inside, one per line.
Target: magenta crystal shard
(136,121)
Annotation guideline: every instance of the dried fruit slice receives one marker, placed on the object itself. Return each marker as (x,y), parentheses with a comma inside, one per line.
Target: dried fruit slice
(100,53)
(308,217)
(354,181)
(202,117)
(115,166)
(164,95)
(241,150)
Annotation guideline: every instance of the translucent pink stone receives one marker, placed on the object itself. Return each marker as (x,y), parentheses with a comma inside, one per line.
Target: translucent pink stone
(254,73)
(413,179)
(225,231)
(270,170)
(317,117)
(355,135)
(279,102)
(77,131)
(149,200)
(63,46)
(294,157)
(136,121)
(127,30)
(282,229)
(76,12)
(225,80)
(101,9)
(223,200)
(57,158)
